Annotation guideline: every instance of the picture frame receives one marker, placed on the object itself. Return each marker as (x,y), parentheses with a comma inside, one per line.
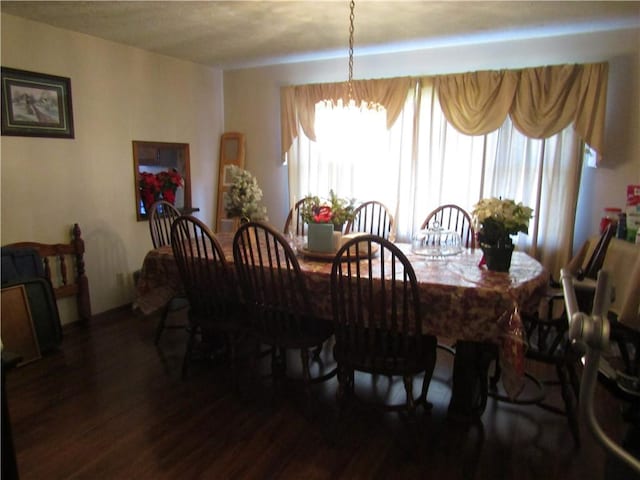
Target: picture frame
(36,104)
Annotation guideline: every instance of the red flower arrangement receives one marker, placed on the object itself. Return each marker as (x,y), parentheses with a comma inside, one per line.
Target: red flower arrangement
(149,189)
(169,182)
(335,210)
(322,214)
(161,185)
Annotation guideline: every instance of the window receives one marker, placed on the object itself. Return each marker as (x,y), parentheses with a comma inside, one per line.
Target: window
(423,162)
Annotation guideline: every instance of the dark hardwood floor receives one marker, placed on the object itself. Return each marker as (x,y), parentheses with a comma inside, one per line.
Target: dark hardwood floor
(110,405)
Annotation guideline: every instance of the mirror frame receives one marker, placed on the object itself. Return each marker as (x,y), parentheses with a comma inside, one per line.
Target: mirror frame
(232,152)
(182,149)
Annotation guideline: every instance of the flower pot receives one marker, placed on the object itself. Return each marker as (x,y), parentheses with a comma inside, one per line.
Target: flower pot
(497,258)
(336,240)
(320,237)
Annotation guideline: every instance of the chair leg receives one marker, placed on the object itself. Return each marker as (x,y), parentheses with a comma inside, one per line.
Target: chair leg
(408,388)
(278,365)
(188,352)
(574,378)
(570,405)
(161,325)
(425,389)
(306,377)
(316,353)
(497,372)
(343,384)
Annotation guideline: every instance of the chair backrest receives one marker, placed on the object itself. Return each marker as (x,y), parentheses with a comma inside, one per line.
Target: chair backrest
(596,260)
(63,266)
(161,215)
(376,307)
(294,221)
(453,217)
(205,274)
(372,217)
(630,300)
(271,283)
(622,262)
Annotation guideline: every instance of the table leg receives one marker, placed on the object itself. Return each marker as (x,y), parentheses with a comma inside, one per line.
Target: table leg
(470,370)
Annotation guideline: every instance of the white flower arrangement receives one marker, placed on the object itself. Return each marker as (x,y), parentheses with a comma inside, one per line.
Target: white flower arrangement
(243,197)
(495,219)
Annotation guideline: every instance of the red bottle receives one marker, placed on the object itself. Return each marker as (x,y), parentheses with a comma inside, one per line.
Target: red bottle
(610,216)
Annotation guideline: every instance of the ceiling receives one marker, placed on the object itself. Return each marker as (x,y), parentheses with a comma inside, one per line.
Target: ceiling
(230,34)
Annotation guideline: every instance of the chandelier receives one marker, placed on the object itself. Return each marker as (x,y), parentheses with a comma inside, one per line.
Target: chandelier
(352,6)
(351,103)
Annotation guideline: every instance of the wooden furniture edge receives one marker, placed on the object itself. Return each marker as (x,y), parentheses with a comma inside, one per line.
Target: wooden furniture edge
(58,251)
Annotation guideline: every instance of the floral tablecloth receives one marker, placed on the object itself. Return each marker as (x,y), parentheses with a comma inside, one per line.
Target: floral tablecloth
(459,299)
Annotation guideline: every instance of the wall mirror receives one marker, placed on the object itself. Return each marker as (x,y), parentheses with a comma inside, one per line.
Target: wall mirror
(231,153)
(151,162)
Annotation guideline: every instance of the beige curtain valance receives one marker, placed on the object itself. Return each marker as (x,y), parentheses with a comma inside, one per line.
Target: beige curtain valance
(298,103)
(541,101)
(477,103)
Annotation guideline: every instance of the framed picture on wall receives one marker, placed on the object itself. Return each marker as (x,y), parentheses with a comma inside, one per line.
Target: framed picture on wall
(36,104)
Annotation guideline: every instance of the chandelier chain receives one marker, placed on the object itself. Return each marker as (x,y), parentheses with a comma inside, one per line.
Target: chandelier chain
(352,5)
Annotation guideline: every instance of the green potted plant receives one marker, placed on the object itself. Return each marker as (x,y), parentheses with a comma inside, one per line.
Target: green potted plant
(325,220)
(495,220)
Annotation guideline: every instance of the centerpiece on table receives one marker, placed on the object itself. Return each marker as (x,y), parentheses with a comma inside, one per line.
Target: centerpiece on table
(242,199)
(495,220)
(325,220)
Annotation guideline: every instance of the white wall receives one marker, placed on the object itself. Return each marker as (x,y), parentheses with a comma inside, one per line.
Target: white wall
(122,94)
(119,94)
(251,98)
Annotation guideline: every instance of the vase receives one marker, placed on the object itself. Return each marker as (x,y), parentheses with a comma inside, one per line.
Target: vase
(497,257)
(336,240)
(320,237)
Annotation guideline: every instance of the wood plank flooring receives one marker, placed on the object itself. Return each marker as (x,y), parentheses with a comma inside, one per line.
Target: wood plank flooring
(110,405)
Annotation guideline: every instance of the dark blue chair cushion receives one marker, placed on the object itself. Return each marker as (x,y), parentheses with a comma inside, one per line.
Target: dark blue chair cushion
(20,263)
(23,266)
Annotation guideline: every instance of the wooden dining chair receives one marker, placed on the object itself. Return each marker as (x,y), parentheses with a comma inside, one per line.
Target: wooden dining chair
(623,264)
(371,217)
(453,217)
(275,293)
(596,259)
(161,216)
(294,223)
(215,314)
(378,319)
(546,335)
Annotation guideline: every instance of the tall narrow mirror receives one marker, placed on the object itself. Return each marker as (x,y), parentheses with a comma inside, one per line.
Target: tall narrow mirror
(161,171)
(231,153)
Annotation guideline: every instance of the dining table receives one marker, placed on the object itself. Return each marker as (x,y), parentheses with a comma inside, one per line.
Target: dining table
(461,301)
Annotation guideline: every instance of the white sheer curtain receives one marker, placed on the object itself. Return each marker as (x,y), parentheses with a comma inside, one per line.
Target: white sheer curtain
(423,162)
(448,168)
(545,175)
(354,155)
